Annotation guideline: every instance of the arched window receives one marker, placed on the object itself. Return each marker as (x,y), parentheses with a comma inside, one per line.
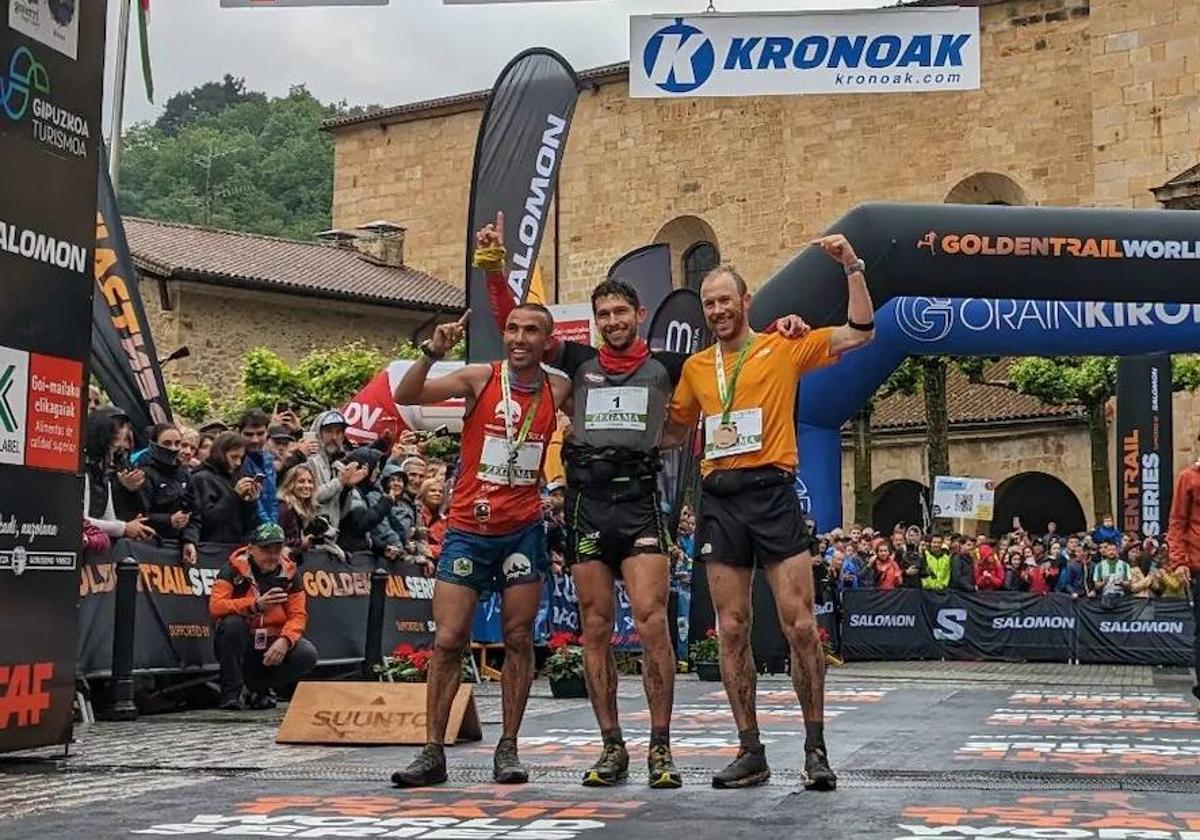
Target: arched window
(698,260)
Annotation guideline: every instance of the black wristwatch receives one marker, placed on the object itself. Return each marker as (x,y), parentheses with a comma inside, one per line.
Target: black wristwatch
(429,354)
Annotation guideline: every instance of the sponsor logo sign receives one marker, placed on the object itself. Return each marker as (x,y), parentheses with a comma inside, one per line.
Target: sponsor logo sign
(54,23)
(24,95)
(876,51)
(41,406)
(963,498)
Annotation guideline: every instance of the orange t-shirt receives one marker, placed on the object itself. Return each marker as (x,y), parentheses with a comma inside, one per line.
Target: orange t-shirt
(768,381)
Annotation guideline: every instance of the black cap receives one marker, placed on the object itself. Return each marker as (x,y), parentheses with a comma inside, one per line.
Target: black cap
(281,433)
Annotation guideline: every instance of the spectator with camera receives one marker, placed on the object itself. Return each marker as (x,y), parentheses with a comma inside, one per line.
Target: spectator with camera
(221,500)
(392,538)
(259,462)
(106,466)
(1110,576)
(260,610)
(164,492)
(1072,576)
(304,529)
(326,447)
(359,516)
(907,548)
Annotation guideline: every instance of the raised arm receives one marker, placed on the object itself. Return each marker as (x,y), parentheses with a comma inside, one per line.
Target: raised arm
(859,328)
(416,388)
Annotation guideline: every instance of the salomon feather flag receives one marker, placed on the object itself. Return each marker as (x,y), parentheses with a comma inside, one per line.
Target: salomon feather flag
(521,142)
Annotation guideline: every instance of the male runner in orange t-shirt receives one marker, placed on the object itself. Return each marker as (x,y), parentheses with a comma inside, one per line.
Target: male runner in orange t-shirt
(745,388)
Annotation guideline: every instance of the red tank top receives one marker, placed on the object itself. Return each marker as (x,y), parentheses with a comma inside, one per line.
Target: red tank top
(488,497)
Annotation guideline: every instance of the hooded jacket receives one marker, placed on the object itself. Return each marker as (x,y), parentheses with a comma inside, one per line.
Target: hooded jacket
(238,586)
(165,490)
(396,526)
(329,487)
(219,514)
(360,516)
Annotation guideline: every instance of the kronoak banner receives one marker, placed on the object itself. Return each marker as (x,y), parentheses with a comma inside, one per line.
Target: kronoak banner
(786,53)
(123,354)
(521,142)
(49,144)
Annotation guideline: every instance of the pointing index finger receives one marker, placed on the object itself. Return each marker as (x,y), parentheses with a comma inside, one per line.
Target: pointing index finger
(500,224)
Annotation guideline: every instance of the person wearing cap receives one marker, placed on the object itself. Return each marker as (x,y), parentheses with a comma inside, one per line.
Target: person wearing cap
(213,428)
(329,431)
(260,610)
(280,440)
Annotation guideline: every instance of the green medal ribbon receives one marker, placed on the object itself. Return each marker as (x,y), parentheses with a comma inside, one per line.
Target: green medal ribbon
(726,392)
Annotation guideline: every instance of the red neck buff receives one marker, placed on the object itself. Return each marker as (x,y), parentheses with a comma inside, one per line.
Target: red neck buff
(619,363)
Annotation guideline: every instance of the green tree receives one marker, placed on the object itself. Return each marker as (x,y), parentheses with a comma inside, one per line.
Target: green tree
(1086,381)
(905,379)
(193,403)
(226,157)
(207,100)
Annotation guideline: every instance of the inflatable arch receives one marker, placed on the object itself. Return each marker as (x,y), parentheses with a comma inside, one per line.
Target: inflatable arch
(964,280)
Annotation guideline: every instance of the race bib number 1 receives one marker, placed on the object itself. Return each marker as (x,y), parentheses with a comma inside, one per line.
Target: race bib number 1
(616,408)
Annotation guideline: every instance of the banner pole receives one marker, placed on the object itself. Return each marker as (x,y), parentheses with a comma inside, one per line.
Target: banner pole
(118,111)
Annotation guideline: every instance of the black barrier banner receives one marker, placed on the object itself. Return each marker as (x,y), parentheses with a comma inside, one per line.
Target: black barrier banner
(1013,626)
(522,137)
(51,64)
(123,354)
(1145,466)
(174,632)
(648,270)
(1138,631)
(886,625)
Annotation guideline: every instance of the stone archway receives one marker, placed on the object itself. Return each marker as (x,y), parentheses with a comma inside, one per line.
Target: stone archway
(899,500)
(682,234)
(1037,498)
(987,188)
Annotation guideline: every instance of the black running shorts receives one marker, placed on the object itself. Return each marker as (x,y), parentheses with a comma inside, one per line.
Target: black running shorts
(750,516)
(610,526)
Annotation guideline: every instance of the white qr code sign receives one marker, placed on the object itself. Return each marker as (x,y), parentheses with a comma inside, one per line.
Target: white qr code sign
(963,498)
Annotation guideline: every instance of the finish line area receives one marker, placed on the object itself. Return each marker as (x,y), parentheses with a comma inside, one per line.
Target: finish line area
(922,750)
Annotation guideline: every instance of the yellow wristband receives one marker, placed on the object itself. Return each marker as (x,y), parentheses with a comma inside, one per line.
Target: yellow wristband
(489,259)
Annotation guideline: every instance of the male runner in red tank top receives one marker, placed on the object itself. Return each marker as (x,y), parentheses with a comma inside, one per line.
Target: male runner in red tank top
(495,540)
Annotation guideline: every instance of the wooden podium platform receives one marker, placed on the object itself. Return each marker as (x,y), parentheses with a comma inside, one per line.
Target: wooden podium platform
(371,713)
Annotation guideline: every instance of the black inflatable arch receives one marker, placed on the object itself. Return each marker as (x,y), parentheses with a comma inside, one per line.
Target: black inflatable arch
(985,251)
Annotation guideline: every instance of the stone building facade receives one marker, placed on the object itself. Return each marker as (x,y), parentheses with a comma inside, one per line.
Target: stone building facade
(222,293)
(1083,102)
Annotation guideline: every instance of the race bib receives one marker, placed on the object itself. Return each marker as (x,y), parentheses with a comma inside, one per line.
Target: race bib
(494,464)
(616,408)
(748,425)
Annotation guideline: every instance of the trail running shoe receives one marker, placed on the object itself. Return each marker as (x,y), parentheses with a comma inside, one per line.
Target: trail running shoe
(610,769)
(663,773)
(747,770)
(260,701)
(817,773)
(428,768)
(506,766)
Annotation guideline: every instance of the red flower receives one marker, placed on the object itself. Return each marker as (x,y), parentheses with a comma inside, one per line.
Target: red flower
(711,634)
(823,635)
(563,639)
(420,659)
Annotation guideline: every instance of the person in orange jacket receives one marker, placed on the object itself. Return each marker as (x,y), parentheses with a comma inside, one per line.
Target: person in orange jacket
(1183,544)
(261,613)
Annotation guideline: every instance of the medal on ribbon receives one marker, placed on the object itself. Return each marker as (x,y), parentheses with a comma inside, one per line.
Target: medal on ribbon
(725,436)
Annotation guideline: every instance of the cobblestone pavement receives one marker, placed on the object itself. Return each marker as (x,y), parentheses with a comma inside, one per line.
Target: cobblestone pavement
(1000,727)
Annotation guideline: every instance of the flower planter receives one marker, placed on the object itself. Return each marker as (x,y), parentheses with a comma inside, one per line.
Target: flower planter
(571,687)
(708,671)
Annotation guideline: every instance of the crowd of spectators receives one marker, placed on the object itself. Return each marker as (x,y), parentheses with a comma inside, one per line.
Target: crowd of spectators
(215,484)
(1104,563)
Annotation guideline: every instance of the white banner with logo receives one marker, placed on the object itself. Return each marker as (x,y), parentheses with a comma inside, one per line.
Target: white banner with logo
(963,498)
(763,54)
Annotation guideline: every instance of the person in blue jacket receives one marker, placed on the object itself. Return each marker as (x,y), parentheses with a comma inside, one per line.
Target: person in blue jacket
(1106,532)
(259,462)
(1071,580)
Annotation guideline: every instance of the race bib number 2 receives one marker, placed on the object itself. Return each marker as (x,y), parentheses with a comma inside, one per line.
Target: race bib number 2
(616,408)
(494,464)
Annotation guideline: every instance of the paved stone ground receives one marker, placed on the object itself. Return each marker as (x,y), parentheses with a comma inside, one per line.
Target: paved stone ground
(918,746)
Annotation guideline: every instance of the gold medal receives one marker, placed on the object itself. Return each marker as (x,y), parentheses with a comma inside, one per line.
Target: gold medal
(725,436)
